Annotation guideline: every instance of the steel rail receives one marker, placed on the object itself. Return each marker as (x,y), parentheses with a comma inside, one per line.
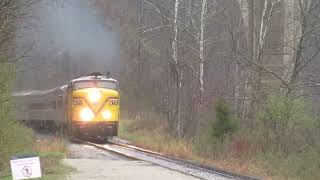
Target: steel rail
(99,146)
(199,170)
(189,163)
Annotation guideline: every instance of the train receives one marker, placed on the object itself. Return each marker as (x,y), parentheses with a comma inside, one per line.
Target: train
(86,107)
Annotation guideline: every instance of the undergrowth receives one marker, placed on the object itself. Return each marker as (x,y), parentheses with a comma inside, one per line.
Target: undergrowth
(16,139)
(283,144)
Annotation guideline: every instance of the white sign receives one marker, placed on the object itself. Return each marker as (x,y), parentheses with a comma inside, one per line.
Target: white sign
(25,168)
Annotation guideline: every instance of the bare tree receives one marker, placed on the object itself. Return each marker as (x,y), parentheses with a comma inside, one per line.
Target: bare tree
(202,58)
(292,51)
(11,12)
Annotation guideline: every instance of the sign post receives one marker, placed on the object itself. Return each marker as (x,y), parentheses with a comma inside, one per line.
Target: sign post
(25,167)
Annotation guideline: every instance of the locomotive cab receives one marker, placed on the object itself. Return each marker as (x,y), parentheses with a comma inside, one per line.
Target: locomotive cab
(95,107)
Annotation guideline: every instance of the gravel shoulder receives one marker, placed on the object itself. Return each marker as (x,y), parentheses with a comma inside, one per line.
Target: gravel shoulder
(78,151)
(91,163)
(120,169)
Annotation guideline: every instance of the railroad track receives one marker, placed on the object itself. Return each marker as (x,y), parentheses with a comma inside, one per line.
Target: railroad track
(186,167)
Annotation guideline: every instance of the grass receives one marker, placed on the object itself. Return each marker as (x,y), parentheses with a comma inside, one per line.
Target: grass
(52,168)
(155,137)
(237,155)
(17,139)
(51,152)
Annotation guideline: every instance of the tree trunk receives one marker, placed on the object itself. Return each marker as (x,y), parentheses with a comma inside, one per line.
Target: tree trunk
(201,43)
(177,68)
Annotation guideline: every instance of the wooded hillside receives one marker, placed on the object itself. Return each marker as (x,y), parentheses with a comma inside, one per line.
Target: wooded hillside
(235,71)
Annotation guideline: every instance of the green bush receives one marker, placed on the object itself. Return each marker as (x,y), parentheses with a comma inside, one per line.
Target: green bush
(302,165)
(284,124)
(224,123)
(288,145)
(14,138)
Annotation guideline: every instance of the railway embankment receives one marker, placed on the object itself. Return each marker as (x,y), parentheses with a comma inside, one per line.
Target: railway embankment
(114,161)
(108,162)
(120,169)
(89,162)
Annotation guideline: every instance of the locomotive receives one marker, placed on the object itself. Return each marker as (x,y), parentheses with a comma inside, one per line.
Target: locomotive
(86,107)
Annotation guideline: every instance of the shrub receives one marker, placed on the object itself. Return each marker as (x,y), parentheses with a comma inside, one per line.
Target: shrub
(224,123)
(284,123)
(14,138)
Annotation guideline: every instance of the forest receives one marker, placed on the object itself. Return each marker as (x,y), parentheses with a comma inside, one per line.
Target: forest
(234,80)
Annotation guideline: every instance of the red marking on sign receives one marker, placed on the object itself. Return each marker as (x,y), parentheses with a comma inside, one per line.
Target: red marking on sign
(26,171)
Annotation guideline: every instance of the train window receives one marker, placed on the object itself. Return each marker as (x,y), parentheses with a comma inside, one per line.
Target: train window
(91,84)
(40,106)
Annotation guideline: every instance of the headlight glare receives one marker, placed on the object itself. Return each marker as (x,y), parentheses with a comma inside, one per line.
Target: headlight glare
(107,114)
(86,114)
(94,96)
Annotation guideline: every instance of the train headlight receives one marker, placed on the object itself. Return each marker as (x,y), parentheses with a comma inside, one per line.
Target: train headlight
(86,114)
(107,114)
(94,96)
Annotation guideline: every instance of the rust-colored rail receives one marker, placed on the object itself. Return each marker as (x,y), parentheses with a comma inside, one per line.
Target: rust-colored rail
(184,166)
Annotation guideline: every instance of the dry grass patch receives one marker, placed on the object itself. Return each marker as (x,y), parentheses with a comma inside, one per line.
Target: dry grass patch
(155,137)
(51,144)
(52,150)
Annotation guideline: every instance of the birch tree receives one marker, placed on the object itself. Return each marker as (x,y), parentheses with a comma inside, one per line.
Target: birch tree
(292,52)
(254,62)
(191,27)
(201,44)
(179,74)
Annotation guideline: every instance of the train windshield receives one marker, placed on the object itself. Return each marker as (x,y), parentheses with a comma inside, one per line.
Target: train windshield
(93,84)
